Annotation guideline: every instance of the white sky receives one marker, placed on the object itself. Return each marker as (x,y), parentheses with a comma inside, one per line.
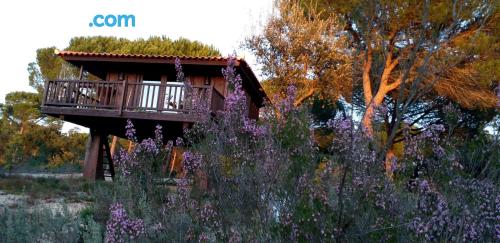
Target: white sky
(29,25)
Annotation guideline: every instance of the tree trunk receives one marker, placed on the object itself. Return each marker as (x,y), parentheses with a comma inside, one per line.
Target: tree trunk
(390,162)
(368,120)
(368,95)
(370,111)
(375,99)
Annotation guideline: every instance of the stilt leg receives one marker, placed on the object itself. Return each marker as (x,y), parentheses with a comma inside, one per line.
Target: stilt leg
(93,167)
(99,172)
(109,156)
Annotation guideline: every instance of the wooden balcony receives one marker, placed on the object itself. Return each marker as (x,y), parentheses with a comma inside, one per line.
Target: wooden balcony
(171,101)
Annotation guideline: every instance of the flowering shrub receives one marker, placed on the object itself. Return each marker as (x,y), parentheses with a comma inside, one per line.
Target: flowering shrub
(191,162)
(267,180)
(469,214)
(150,150)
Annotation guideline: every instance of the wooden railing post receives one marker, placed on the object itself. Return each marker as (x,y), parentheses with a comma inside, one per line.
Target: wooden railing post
(45,92)
(124,90)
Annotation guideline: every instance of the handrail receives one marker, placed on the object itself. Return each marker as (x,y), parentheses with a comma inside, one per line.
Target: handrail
(85,81)
(130,96)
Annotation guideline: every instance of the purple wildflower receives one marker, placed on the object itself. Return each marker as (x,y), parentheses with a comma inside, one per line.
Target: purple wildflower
(191,162)
(130,131)
(120,226)
(235,236)
(158,134)
(236,101)
(148,145)
(203,237)
(423,186)
(251,127)
(208,216)
(178,69)
(179,142)
(287,104)
(125,162)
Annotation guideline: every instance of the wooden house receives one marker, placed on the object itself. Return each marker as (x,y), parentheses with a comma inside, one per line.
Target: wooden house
(111,88)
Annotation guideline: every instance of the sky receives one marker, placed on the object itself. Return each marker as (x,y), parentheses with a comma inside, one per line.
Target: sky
(29,25)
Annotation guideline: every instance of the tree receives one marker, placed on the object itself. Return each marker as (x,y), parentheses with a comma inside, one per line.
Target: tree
(21,108)
(47,66)
(303,49)
(154,45)
(416,51)
(407,56)
(6,131)
(437,49)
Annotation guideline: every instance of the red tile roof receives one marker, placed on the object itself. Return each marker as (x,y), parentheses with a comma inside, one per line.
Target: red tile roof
(143,56)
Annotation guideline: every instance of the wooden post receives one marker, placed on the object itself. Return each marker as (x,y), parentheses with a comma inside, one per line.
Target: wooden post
(109,157)
(81,72)
(172,161)
(93,168)
(113,145)
(123,95)
(129,146)
(45,92)
(99,170)
(161,93)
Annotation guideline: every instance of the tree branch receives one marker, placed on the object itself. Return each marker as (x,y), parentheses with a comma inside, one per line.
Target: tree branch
(305,97)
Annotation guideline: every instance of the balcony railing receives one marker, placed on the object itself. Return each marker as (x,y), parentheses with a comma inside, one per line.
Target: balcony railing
(169,97)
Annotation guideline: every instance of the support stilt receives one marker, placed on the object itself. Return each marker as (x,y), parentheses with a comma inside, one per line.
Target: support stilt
(93,157)
(109,156)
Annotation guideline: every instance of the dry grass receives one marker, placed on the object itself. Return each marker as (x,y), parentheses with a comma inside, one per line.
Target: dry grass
(74,190)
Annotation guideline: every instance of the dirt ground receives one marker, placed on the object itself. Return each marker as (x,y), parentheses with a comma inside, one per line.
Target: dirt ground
(43,191)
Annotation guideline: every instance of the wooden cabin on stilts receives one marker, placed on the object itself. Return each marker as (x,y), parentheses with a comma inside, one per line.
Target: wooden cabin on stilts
(112,88)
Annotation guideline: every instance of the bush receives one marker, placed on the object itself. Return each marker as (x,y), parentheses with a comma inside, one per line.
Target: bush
(44,225)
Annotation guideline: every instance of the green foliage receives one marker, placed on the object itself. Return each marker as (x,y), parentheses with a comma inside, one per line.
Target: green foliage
(478,157)
(154,45)
(41,225)
(6,131)
(44,146)
(20,112)
(324,110)
(21,107)
(47,66)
